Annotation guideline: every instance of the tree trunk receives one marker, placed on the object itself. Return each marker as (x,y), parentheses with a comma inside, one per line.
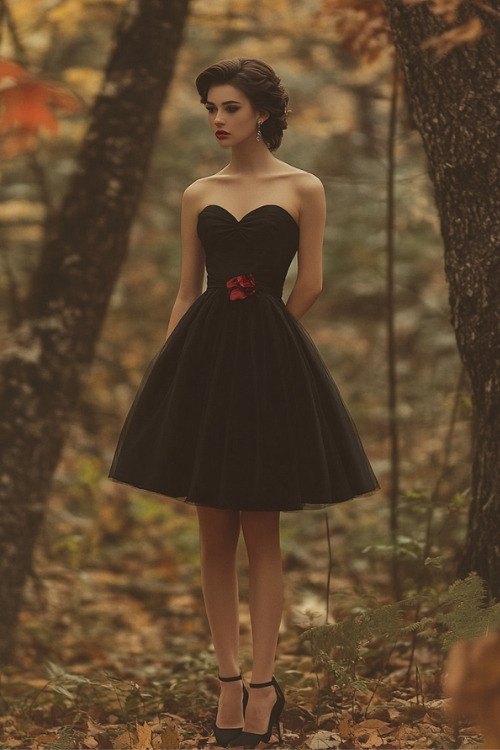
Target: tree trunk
(42,362)
(455,103)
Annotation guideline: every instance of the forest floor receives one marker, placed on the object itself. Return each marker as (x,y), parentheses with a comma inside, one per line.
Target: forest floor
(113,649)
(114,652)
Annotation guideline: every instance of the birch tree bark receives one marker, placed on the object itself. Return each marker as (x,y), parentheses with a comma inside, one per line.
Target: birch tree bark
(455,102)
(42,361)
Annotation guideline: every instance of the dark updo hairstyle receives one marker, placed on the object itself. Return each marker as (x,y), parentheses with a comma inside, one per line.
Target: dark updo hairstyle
(259,83)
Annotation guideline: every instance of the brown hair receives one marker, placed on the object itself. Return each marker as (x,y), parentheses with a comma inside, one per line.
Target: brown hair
(259,83)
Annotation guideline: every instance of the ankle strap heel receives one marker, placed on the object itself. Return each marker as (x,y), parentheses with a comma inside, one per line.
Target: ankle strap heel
(224,736)
(250,739)
(262,684)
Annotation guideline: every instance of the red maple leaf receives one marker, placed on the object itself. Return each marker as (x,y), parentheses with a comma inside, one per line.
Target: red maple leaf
(27,107)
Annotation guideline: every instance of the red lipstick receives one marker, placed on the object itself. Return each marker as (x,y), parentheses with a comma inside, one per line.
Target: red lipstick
(221,134)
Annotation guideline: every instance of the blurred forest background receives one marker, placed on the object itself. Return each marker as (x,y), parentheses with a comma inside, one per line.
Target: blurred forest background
(112,646)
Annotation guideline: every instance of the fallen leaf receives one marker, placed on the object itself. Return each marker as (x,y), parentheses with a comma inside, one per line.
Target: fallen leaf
(124,741)
(144,736)
(381,726)
(166,734)
(324,740)
(94,728)
(90,742)
(345,729)
(324,718)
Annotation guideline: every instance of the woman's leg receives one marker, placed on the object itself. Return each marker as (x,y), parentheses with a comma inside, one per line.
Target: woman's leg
(219,533)
(262,540)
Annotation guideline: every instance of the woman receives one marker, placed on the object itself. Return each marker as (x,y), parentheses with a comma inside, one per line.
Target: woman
(238,414)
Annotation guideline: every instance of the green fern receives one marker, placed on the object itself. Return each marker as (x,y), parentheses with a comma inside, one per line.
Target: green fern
(461,612)
(465,613)
(347,638)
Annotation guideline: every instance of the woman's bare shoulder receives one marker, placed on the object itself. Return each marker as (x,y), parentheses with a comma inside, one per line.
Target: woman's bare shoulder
(196,193)
(304,182)
(199,187)
(307,191)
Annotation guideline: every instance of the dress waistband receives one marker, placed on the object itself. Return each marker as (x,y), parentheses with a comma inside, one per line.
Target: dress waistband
(255,286)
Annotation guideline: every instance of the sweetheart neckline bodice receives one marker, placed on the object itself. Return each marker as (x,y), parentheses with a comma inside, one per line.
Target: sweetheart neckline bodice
(249,213)
(262,243)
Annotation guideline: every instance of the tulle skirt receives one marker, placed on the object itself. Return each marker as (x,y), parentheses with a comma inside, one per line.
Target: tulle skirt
(238,411)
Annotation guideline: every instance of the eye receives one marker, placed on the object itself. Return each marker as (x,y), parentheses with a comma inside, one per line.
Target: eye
(232,109)
(210,110)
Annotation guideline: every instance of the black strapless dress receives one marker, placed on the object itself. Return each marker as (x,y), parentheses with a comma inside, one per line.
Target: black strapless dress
(238,410)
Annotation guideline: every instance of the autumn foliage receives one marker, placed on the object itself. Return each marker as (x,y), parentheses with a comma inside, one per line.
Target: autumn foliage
(28,105)
(362,25)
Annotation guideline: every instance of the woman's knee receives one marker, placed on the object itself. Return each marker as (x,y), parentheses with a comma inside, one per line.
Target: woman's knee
(260,522)
(219,531)
(261,531)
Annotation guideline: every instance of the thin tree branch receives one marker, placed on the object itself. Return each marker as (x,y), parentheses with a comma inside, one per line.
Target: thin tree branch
(7,17)
(330,566)
(391,336)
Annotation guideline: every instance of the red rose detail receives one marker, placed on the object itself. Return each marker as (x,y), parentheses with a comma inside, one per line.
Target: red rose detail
(240,287)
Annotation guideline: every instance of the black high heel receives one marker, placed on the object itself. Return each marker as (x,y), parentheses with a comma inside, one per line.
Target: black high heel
(251,739)
(225,736)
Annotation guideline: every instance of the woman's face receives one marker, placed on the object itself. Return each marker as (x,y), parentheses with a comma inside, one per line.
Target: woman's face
(231,115)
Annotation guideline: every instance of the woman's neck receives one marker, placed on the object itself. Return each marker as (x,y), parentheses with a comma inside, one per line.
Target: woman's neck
(250,159)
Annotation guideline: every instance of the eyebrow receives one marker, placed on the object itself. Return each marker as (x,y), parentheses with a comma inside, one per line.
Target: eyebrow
(231,101)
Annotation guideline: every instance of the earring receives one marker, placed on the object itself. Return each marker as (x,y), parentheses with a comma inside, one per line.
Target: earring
(258,137)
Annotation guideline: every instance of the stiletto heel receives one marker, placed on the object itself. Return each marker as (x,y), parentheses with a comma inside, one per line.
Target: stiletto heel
(251,739)
(225,736)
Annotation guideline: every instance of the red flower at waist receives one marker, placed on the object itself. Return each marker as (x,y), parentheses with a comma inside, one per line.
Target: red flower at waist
(240,287)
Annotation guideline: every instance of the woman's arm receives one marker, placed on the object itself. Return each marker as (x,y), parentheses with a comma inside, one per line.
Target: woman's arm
(312,217)
(193,261)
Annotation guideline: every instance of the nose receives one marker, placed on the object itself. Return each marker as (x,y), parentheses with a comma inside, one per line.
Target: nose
(218,119)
